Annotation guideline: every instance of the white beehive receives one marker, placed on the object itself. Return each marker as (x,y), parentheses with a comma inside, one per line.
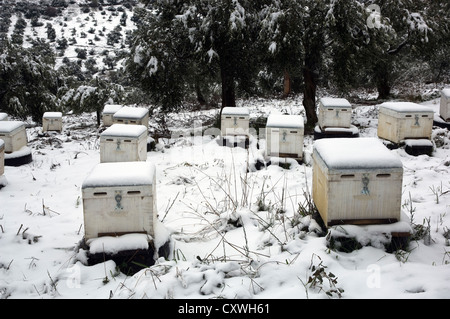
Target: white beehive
(356,181)
(14,135)
(131,115)
(123,143)
(108,111)
(235,121)
(334,112)
(444,108)
(119,198)
(284,136)
(2,157)
(398,121)
(52,121)
(3,116)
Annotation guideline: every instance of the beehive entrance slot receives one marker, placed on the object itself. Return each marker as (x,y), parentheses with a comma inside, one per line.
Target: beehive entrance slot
(347,176)
(383,175)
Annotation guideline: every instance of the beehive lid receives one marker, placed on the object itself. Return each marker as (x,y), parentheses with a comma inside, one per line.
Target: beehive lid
(3,116)
(10,126)
(286,121)
(52,115)
(111,108)
(120,174)
(332,102)
(131,112)
(230,110)
(445,92)
(124,130)
(356,154)
(406,107)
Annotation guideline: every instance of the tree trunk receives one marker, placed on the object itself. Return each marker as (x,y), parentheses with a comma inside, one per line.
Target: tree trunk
(228,94)
(99,115)
(309,97)
(287,84)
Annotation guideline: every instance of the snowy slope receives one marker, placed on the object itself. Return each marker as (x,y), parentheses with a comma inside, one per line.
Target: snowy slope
(224,245)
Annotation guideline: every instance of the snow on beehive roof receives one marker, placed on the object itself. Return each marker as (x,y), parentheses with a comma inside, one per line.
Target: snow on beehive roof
(402,107)
(230,110)
(9,126)
(131,112)
(288,121)
(355,153)
(120,174)
(334,102)
(124,130)
(446,92)
(52,114)
(112,108)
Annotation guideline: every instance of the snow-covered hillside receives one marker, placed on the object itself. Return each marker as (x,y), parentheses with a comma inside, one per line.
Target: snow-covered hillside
(237,232)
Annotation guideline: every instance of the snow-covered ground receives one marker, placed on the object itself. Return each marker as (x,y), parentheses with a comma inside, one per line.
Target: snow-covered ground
(236,231)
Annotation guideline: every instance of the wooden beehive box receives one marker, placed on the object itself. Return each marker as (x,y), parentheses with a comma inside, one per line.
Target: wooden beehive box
(284,136)
(131,115)
(235,121)
(108,111)
(334,112)
(3,116)
(52,121)
(123,143)
(356,181)
(119,198)
(14,135)
(398,121)
(444,108)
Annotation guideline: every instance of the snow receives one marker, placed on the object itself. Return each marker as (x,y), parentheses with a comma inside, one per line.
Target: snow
(10,126)
(49,115)
(287,121)
(23,151)
(124,130)
(446,92)
(3,116)
(113,245)
(406,107)
(111,108)
(229,110)
(356,153)
(224,245)
(418,142)
(120,174)
(131,112)
(335,102)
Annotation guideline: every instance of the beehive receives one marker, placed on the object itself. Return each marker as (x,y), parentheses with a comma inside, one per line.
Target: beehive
(2,157)
(444,108)
(334,112)
(398,121)
(3,116)
(108,111)
(14,135)
(131,115)
(123,143)
(52,121)
(119,198)
(356,181)
(235,121)
(284,136)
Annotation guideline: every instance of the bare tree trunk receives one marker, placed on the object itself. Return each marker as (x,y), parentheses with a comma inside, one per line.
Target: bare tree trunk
(309,97)
(228,89)
(287,84)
